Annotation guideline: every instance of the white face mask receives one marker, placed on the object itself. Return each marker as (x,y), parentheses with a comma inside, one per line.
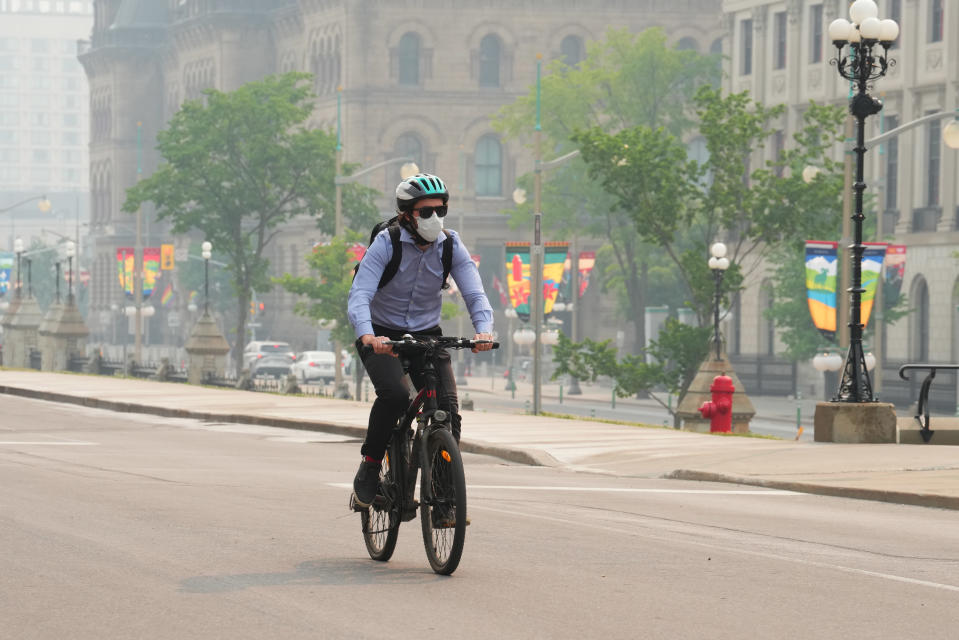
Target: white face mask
(429,229)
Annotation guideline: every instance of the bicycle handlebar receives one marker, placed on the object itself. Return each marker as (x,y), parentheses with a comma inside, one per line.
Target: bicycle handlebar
(422,343)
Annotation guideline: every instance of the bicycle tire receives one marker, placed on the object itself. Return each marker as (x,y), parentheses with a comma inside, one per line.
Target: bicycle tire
(444,544)
(381,522)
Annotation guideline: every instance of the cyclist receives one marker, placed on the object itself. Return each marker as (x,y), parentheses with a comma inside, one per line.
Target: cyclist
(409,302)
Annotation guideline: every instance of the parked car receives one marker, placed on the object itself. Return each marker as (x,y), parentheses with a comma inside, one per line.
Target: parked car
(275,365)
(311,366)
(259,349)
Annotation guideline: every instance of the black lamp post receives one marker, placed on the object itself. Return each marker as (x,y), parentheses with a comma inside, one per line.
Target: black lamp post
(207,248)
(71,251)
(718,263)
(861,66)
(18,248)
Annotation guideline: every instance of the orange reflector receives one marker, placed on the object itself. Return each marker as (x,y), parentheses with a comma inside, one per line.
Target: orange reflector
(445,454)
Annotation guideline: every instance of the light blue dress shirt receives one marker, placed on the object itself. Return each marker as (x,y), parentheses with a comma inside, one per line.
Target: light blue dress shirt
(413,299)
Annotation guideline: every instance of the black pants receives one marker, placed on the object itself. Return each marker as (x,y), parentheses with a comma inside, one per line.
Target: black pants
(392,395)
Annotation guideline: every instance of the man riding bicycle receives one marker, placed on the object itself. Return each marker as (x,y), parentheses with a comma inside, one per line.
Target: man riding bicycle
(388,300)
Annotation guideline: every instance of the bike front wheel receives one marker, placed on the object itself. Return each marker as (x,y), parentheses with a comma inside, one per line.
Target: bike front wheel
(381,521)
(443,509)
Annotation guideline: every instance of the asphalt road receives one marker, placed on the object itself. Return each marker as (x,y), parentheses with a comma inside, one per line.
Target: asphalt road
(123,526)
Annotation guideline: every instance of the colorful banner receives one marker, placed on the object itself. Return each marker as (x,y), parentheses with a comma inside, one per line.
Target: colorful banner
(501,290)
(6,271)
(587,259)
(821,279)
(895,272)
(554,259)
(356,251)
(167,297)
(125,269)
(872,258)
(517,276)
(151,269)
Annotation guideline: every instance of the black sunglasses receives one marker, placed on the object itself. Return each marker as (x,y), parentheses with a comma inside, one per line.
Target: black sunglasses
(427,212)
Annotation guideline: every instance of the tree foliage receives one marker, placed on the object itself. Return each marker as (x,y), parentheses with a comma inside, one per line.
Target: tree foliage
(237,166)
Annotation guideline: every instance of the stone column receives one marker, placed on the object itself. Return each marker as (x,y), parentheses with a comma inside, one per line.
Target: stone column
(698,393)
(206,350)
(11,341)
(25,326)
(62,335)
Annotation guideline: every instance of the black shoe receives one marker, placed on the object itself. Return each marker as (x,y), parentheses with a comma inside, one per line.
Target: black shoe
(365,482)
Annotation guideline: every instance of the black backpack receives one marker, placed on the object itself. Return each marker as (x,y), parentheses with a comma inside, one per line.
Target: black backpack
(394,264)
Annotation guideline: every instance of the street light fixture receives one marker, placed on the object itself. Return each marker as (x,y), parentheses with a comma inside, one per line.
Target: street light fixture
(861,67)
(718,263)
(207,253)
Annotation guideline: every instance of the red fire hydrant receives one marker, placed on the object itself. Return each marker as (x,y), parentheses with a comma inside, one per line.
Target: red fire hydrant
(720,409)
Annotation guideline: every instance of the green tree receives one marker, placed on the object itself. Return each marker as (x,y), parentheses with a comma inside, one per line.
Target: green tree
(626,80)
(237,166)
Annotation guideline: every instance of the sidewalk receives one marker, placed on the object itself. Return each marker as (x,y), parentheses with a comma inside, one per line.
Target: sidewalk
(906,474)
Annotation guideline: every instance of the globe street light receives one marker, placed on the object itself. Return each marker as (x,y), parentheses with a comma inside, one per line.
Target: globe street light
(718,263)
(71,251)
(207,253)
(862,66)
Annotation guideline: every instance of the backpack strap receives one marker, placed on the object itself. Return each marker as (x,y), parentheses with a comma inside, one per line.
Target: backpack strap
(394,264)
(447,259)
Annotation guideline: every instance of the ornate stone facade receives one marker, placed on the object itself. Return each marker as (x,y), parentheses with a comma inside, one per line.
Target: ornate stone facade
(418,77)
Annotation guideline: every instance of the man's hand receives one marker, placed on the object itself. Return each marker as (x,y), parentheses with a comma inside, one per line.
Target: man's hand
(378,343)
(483,347)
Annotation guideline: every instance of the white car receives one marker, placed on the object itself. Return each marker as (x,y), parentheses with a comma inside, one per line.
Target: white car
(261,348)
(315,365)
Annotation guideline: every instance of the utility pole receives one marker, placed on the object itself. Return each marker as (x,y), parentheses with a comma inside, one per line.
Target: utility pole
(138,261)
(536,251)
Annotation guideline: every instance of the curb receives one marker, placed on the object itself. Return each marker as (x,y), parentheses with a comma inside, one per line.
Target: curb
(532,458)
(858,493)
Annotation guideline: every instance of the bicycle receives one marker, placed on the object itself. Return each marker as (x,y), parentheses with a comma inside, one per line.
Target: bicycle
(432,450)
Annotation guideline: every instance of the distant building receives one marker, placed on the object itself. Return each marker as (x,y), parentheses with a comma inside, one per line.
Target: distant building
(44,117)
(420,78)
(780,52)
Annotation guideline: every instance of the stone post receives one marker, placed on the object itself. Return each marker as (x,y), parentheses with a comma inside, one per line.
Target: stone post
(24,328)
(62,335)
(698,393)
(11,342)
(206,350)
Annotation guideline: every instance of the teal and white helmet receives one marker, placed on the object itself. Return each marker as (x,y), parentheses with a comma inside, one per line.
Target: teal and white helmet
(419,187)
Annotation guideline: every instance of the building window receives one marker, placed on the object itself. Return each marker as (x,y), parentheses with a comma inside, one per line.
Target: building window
(892,165)
(895,13)
(780,34)
(935,21)
(572,50)
(489,167)
(408,145)
(490,52)
(747,52)
(933,162)
(815,30)
(409,56)
(688,44)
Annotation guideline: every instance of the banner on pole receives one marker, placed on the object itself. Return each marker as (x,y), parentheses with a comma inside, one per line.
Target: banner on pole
(6,269)
(872,258)
(554,259)
(517,277)
(587,259)
(821,276)
(895,272)
(125,269)
(151,269)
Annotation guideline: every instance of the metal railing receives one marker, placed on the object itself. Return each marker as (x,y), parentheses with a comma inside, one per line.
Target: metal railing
(922,409)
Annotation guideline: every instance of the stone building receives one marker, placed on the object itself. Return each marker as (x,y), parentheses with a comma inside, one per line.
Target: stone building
(419,78)
(779,51)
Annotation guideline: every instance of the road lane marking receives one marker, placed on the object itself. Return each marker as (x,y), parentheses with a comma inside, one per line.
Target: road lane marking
(517,487)
(730,549)
(47,444)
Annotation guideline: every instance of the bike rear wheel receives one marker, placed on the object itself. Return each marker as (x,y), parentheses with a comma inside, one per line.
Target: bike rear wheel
(444,518)
(381,521)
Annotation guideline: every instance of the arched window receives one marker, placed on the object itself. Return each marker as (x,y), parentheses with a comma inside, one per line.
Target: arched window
(716,46)
(490,53)
(409,145)
(489,167)
(688,44)
(409,58)
(572,50)
(919,321)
